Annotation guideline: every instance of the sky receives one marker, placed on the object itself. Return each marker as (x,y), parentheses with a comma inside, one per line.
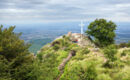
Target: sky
(44,11)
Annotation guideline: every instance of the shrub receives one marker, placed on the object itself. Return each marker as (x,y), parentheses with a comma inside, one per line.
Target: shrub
(40,56)
(15,58)
(49,67)
(123,53)
(72,47)
(85,51)
(129,44)
(108,64)
(122,45)
(110,52)
(56,47)
(90,73)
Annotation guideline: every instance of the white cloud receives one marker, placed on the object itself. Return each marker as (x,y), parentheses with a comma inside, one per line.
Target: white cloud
(64,10)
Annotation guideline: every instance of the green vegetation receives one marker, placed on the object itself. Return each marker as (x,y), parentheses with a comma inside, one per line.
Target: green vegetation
(106,62)
(16,63)
(102,31)
(110,52)
(122,45)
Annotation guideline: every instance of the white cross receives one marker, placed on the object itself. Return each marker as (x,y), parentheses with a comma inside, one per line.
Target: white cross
(81,25)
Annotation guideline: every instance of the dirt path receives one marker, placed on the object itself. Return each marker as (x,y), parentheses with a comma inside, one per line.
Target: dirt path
(62,65)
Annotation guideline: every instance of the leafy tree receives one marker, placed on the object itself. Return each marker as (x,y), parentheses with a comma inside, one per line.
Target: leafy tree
(102,31)
(16,63)
(4,69)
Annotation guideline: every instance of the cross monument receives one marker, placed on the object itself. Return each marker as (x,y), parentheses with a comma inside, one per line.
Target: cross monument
(81,25)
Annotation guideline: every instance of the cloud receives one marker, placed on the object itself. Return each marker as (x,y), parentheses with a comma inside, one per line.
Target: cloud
(64,10)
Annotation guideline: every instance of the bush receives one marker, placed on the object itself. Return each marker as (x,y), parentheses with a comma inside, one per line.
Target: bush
(110,64)
(85,51)
(122,45)
(4,69)
(15,59)
(90,73)
(49,67)
(72,47)
(129,44)
(123,53)
(110,52)
(56,47)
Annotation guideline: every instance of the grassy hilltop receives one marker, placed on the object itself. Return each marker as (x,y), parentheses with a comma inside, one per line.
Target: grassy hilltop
(88,63)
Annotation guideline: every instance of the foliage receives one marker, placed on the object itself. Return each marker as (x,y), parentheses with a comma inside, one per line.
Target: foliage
(4,69)
(80,71)
(49,66)
(110,52)
(82,66)
(62,54)
(122,45)
(102,31)
(123,53)
(56,47)
(126,55)
(16,63)
(124,74)
(85,51)
(104,77)
(15,59)
(61,43)
(90,73)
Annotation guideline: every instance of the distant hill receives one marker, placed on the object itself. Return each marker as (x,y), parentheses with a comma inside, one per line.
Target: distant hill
(37,44)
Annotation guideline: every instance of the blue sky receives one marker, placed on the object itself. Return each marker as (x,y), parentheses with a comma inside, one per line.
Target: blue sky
(46,11)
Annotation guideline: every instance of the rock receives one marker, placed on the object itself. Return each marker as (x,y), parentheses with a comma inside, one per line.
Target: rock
(69,34)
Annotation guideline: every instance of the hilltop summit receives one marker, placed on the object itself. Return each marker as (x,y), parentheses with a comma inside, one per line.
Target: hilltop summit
(73,56)
(81,39)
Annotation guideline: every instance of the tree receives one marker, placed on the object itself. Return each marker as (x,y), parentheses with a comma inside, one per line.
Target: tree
(102,31)
(16,62)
